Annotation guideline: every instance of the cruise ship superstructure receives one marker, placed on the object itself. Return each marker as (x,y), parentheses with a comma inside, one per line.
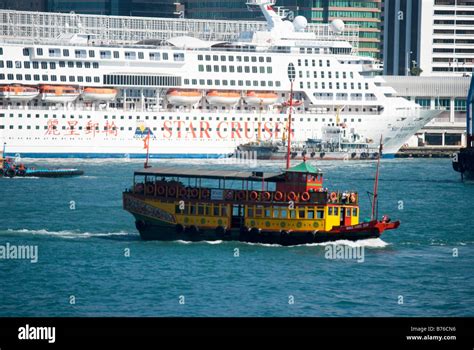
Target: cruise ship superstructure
(76,97)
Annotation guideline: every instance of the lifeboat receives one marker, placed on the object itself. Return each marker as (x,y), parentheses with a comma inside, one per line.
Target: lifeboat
(183,97)
(99,94)
(18,92)
(228,98)
(257,98)
(58,93)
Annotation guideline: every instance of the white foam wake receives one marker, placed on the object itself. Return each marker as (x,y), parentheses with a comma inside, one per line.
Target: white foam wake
(68,234)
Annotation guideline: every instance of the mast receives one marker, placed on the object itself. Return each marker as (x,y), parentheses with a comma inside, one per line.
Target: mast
(291,76)
(147,146)
(289,128)
(376,184)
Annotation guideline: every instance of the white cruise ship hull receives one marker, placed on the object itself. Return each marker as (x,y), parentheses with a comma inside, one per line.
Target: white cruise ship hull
(83,134)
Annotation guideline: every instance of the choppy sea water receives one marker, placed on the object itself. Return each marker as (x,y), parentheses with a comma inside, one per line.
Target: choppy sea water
(425,268)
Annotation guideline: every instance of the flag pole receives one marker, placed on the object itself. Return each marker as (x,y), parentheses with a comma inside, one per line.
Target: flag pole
(147,146)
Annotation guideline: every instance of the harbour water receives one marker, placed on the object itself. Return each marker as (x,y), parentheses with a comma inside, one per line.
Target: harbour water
(91,261)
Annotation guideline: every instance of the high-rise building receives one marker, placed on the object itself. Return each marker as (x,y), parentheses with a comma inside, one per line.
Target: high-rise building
(146,8)
(428,37)
(223,9)
(365,14)
(23,5)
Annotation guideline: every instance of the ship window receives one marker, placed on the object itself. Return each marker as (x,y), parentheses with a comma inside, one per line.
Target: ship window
(246,59)
(216,210)
(216,68)
(348,212)
(36,77)
(194,81)
(254,59)
(2,65)
(28,77)
(186,81)
(72,79)
(39,51)
(354,211)
(224,210)
(20,77)
(88,79)
(70,64)
(52,65)
(200,57)
(53,78)
(232,69)
(231,58)
(268,213)
(320,214)
(269,70)
(223,69)
(44,65)
(328,63)
(278,83)
(26,52)
(209,82)
(130,55)
(201,209)
(9,64)
(62,78)
(91,53)
(311,214)
(336,211)
(54,52)
(80,53)
(95,65)
(255,83)
(105,55)
(301,213)
(141,56)
(250,212)
(254,69)
(330,211)
(2,76)
(66,52)
(155,56)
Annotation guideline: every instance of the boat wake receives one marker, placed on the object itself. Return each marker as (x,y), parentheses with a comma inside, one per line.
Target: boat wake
(68,234)
(366,243)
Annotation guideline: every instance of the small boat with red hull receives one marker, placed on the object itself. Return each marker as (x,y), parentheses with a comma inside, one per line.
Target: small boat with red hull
(287,208)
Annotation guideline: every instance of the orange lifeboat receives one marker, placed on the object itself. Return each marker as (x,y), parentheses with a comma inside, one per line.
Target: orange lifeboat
(58,93)
(99,94)
(183,97)
(18,92)
(228,98)
(257,98)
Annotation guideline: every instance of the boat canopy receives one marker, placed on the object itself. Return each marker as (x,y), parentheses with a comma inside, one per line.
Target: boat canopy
(304,167)
(211,174)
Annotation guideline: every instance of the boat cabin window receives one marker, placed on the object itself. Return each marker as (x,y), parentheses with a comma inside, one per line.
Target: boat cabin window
(336,211)
(275,212)
(311,214)
(320,214)
(259,211)
(354,211)
(250,212)
(268,213)
(301,213)
(330,211)
(348,212)
(292,214)
(283,213)
(201,209)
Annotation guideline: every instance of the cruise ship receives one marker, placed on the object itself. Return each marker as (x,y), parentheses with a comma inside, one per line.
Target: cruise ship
(82,98)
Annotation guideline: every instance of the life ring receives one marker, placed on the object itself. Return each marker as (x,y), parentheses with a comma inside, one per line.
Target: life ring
(267,196)
(253,195)
(194,192)
(172,191)
(333,196)
(278,196)
(229,195)
(205,193)
(305,196)
(241,195)
(292,196)
(150,189)
(353,197)
(161,190)
(183,192)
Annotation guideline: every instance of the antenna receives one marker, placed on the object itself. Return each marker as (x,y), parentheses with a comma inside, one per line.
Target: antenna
(376,184)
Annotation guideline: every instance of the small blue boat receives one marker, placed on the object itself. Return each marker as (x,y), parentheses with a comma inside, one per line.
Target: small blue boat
(8,168)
